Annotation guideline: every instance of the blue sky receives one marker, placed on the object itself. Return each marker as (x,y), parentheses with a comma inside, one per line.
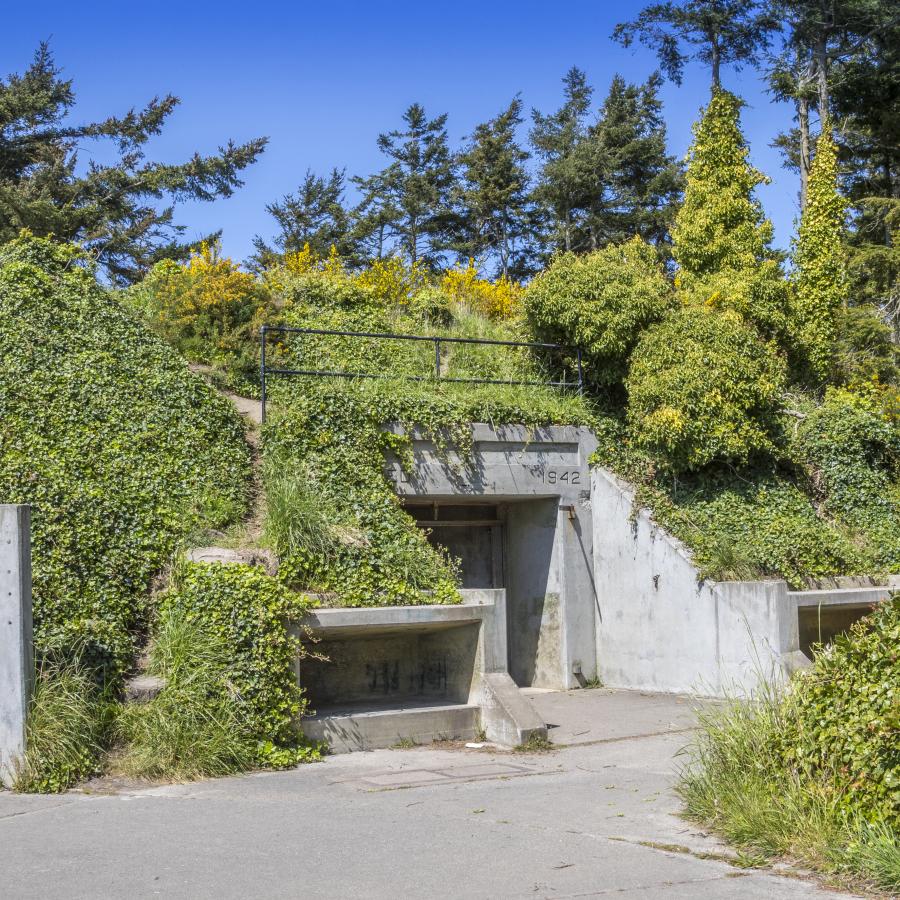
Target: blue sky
(322,80)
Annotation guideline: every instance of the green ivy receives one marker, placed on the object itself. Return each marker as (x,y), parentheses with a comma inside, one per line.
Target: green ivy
(844,717)
(118,448)
(250,610)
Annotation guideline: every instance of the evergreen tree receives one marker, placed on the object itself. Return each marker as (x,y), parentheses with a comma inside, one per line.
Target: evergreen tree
(111,209)
(409,202)
(722,241)
(567,177)
(496,214)
(376,217)
(820,283)
(723,31)
(315,214)
(638,184)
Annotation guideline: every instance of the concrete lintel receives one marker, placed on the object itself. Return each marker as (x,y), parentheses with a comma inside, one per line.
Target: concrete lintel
(16,641)
(389,617)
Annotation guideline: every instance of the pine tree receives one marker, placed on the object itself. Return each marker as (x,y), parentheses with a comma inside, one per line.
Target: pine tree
(722,240)
(314,214)
(496,215)
(638,184)
(111,209)
(567,177)
(409,202)
(820,284)
(724,31)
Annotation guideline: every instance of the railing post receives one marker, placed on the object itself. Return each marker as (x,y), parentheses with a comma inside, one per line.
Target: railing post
(262,374)
(580,372)
(437,359)
(16,641)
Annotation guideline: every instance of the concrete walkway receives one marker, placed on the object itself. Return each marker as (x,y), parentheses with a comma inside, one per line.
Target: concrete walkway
(592,819)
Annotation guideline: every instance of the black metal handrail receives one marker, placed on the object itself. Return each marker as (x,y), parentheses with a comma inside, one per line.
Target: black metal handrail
(265,370)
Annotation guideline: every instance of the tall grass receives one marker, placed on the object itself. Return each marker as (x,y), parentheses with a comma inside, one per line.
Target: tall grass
(193,728)
(67,724)
(297,518)
(736,782)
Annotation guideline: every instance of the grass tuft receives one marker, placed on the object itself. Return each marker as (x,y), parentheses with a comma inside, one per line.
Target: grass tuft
(65,734)
(191,729)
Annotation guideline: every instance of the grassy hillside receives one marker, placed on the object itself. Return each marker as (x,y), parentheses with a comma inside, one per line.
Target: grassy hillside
(119,449)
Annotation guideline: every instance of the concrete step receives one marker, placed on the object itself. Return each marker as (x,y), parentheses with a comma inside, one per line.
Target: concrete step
(368,727)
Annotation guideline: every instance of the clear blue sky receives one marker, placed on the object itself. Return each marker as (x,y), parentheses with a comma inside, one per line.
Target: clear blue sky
(321,80)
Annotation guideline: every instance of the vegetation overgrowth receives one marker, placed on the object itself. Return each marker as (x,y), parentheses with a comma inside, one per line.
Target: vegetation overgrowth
(231,700)
(121,452)
(813,774)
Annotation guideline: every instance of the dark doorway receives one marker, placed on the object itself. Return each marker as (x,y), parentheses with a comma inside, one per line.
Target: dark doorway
(471,533)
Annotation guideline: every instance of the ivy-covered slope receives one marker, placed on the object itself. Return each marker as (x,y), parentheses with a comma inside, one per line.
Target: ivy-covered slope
(334,517)
(118,447)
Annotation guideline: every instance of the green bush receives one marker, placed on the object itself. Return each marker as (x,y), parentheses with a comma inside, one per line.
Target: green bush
(703,386)
(845,717)
(209,309)
(738,782)
(599,303)
(851,453)
(245,614)
(119,449)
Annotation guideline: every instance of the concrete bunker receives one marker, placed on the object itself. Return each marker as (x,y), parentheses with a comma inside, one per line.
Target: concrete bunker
(516,513)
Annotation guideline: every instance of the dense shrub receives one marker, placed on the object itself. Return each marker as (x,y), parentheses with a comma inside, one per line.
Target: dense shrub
(844,717)
(245,614)
(599,303)
(703,386)
(496,299)
(119,449)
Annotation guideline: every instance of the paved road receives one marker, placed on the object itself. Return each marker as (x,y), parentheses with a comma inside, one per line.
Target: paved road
(592,819)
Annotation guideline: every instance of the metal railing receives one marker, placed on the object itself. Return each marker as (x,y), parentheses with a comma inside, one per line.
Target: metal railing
(265,370)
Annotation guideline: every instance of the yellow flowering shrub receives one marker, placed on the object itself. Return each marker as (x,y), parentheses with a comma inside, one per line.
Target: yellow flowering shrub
(207,307)
(392,280)
(497,299)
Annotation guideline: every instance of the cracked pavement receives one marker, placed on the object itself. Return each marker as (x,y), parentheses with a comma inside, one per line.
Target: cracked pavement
(595,817)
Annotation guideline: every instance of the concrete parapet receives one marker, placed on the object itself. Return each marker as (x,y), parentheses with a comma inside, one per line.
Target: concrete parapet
(16,642)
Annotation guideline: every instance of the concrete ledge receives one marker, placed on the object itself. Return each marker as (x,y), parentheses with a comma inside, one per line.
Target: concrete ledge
(370,729)
(853,596)
(506,716)
(369,618)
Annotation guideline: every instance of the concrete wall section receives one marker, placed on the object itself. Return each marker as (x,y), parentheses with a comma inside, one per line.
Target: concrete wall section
(661,628)
(16,661)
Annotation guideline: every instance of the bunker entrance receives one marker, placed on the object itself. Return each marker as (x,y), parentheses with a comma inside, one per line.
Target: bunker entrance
(472,533)
(508,545)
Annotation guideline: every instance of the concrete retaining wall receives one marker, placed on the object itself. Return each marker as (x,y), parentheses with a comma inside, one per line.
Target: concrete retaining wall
(16,660)
(661,628)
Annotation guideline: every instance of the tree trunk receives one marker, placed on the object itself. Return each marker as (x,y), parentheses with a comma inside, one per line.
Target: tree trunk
(803,119)
(716,65)
(820,55)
